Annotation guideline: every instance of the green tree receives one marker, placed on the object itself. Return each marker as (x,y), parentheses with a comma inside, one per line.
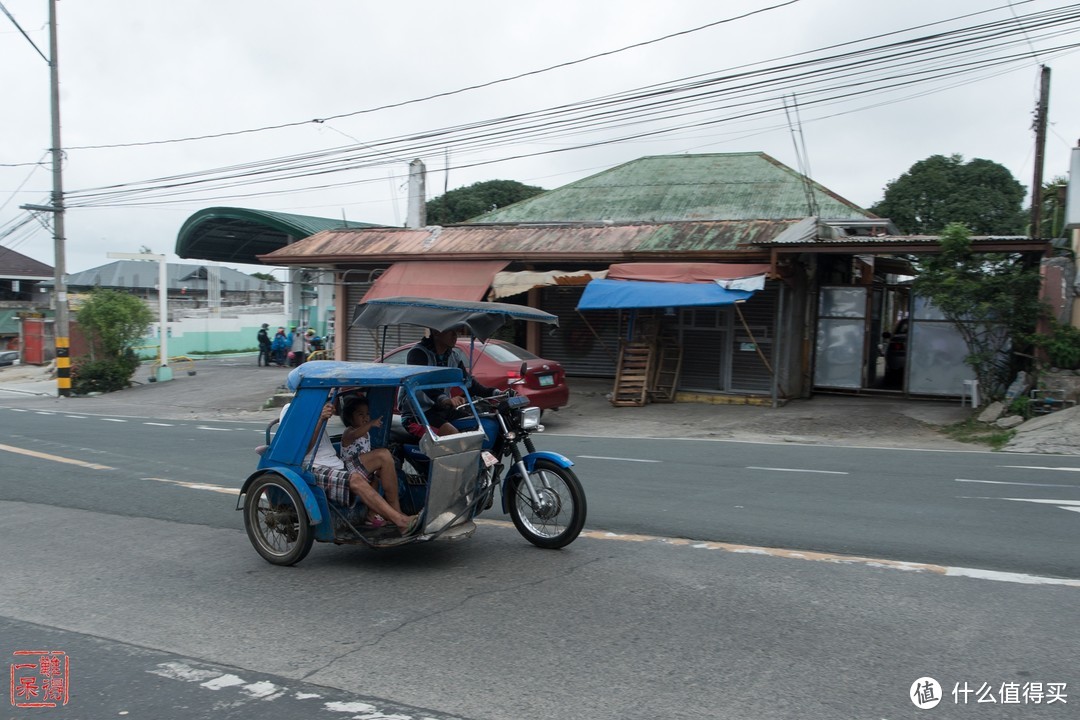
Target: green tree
(1053,207)
(264,276)
(113,322)
(991,298)
(465,203)
(939,190)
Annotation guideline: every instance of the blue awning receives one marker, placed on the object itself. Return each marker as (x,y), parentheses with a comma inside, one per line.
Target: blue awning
(625,294)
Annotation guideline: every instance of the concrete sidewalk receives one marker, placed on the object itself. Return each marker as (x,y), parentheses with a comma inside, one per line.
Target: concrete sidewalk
(236,389)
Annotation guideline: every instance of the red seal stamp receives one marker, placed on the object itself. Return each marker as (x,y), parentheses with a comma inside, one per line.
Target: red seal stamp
(39,678)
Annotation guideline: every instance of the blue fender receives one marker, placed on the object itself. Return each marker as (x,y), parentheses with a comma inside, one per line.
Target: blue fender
(530,465)
(560,460)
(311,503)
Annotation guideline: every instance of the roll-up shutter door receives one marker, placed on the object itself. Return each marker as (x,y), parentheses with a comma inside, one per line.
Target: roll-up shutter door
(748,371)
(573,344)
(719,354)
(362,344)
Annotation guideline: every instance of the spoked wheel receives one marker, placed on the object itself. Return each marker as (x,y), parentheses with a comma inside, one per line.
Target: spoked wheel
(559,516)
(276,522)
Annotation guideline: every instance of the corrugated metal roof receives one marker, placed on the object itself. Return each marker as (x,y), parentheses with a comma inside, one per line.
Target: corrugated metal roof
(531,243)
(143,274)
(226,234)
(16,266)
(674,188)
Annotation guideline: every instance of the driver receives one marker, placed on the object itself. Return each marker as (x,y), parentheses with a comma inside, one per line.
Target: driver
(440,349)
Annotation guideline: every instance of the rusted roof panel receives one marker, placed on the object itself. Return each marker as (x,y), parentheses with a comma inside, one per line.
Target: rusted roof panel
(678,188)
(525,242)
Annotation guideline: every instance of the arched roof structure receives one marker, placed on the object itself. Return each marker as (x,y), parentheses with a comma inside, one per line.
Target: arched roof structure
(240,235)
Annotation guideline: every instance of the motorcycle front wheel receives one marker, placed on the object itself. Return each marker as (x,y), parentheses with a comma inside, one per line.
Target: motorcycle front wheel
(276,522)
(560,515)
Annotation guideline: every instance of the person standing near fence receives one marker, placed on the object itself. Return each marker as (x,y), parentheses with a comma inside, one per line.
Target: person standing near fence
(264,346)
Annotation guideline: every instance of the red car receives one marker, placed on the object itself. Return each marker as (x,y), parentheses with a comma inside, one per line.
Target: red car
(499,362)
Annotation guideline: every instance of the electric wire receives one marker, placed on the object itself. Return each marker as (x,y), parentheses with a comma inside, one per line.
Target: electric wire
(556,121)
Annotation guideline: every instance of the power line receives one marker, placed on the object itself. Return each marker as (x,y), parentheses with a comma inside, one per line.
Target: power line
(448,93)
(634,107)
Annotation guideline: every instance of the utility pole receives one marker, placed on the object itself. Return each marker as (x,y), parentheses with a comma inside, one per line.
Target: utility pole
(1040,148)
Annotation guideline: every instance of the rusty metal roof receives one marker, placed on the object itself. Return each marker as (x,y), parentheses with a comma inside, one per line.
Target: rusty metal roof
(533,243)
(677,188)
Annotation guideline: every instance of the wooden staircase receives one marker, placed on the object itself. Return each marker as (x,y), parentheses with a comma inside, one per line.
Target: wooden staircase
(664,379)
(632,375)
(649,366)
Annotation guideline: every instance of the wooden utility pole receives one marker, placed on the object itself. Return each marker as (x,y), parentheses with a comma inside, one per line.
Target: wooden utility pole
(1040,147)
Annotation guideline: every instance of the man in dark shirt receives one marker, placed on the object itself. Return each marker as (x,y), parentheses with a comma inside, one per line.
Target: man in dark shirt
(440,349)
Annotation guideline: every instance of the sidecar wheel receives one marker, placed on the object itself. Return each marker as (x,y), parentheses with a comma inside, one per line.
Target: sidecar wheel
(558,520)
(276,522)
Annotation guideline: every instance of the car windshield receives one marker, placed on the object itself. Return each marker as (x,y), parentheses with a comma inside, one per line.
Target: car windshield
(507,353)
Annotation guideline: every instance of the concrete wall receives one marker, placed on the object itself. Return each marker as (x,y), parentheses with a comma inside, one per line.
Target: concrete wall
(204,335)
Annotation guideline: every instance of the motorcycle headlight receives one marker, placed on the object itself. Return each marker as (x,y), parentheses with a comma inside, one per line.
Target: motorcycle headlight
(530,418)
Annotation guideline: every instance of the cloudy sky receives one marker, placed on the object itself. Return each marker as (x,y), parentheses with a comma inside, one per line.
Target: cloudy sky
(316,107)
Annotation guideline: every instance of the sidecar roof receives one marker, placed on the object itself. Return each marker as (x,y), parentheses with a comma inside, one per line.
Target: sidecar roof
(482,318)
(332,373)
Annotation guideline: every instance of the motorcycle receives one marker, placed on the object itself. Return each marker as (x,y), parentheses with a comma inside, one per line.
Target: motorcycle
(447,480)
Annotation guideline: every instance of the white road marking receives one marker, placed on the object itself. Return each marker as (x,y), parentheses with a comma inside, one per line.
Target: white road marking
(1040,467)
(198,486)
(602,457)
(204,427)
(17,410)
(42,412)
(1005,482)
(113,420)
(158,424)
(265,691)
(1073,505)
(54,458)
(800,470)
(948,571)
(76,417)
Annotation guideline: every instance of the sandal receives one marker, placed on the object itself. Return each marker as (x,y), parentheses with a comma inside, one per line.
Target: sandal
(374,521)
(414,526)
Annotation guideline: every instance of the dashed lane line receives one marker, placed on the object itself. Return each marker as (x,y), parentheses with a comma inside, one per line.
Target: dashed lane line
(1006,482)
(54,458)
(624,459)
(798,470)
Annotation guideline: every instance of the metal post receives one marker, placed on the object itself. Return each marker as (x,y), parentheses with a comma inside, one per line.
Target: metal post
(61,329)
(164,372)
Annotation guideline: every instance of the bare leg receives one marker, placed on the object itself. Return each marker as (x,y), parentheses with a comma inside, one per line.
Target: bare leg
(381,464)
(447,429)
(375,502)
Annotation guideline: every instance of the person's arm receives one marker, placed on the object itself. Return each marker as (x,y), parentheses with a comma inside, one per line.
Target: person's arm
(324,417)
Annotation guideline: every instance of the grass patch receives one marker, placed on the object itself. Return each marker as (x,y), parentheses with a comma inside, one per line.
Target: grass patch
(979,433)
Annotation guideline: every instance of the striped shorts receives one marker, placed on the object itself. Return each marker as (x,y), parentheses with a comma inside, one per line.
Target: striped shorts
(335,483)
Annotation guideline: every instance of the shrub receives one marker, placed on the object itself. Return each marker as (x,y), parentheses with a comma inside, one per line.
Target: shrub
(1062,346)
(103,375)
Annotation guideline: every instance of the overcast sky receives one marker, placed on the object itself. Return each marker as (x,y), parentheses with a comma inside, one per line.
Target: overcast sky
(133,71)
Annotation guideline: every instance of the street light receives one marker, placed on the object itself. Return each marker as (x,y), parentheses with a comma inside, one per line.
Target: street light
(164,372)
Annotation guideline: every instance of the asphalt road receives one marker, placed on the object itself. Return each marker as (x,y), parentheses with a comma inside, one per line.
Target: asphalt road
(666,607)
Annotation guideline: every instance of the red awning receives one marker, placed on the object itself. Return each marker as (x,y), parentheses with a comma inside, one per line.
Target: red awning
(684,272)
(442,279)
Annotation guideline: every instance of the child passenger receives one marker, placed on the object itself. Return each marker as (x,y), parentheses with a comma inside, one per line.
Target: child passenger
(377,465)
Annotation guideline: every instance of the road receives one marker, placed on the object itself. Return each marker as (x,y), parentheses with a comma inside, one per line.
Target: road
(123,543)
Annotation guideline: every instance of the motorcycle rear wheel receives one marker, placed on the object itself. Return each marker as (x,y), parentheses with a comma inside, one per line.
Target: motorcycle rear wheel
(276,521)
(558,520)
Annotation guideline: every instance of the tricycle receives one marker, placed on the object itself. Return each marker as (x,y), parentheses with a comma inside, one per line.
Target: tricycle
(447,481)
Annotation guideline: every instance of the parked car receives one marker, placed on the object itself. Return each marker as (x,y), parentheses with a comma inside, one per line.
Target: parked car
(8,357)
(499,362)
